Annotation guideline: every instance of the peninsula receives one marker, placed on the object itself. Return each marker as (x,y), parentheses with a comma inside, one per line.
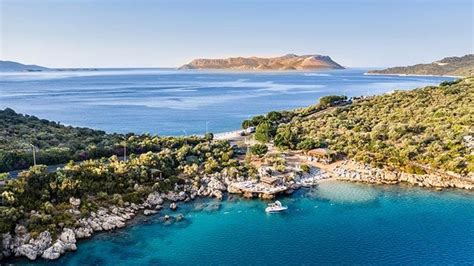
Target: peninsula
(450,66)
(286,62)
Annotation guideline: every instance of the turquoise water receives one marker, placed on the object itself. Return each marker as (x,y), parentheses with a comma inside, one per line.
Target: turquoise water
(338,223)
(170,102)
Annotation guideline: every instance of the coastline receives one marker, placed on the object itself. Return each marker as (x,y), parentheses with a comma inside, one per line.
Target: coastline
(410,75)
(168,217)
(215,184)
(109,218)
(214,187)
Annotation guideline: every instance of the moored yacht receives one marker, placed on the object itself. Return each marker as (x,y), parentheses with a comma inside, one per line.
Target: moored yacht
(275,207)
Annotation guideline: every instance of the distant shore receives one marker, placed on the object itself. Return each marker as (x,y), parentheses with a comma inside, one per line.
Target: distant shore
(409,75)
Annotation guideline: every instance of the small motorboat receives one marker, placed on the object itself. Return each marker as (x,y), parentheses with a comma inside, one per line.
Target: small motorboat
(275,207)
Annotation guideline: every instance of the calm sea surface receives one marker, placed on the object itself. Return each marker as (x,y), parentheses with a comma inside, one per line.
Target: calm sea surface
(170,102)
(338,223)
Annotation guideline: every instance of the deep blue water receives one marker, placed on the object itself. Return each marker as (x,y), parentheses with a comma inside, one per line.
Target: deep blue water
(338,223)
(167,102)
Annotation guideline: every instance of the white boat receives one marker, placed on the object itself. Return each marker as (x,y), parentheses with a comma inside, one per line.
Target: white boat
(275,207)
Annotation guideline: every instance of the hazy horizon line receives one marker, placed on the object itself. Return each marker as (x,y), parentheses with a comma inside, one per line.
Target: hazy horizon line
(224,57)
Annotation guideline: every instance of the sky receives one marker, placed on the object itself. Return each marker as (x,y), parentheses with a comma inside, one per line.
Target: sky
(145,33)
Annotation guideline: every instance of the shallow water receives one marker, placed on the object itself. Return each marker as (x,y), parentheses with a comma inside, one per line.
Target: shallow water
(170,102)
(339,223)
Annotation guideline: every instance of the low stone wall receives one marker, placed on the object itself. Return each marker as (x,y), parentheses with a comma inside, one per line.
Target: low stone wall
(352,171)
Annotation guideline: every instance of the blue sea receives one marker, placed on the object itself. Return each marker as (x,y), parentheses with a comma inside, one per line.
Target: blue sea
(337,223)
(171,102)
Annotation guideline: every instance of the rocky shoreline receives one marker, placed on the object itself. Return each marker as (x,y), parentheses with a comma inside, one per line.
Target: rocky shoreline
(22,244)
(356,172)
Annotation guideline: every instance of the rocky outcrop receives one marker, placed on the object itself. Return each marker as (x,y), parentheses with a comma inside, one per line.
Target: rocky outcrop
(66,242)
(154,199)
(75,202)
(287,62)
(213,186)
(353,171)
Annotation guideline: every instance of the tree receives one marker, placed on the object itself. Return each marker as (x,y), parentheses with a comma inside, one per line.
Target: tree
(246,124)
(209,136)
(263,133)
(274,116)
(307,144)
(305,168)
(331,100)
(285,139)
(259,149)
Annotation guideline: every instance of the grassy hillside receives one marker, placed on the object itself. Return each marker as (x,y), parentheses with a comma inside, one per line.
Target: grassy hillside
(415,131)
(449,66)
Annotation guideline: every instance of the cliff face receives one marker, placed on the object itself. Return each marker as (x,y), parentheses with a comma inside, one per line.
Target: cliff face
(287,62)
(449,66)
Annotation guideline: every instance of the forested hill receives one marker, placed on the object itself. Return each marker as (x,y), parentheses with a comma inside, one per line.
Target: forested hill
(55,143)
(429,128)
(462,66)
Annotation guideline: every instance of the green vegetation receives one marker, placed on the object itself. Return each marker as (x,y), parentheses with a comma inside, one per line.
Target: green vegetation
(332,100)
(305,168)
(414,131)
(264,132)
(55,143)
(451,66)
(272,117)
(110,181)
(259,149)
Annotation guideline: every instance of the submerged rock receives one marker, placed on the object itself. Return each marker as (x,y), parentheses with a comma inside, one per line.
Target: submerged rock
(173,206)
(179,217)
(149,212)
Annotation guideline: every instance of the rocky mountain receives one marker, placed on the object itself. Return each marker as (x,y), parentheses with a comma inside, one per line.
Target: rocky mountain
(287,62)
(10,66)
(449,66)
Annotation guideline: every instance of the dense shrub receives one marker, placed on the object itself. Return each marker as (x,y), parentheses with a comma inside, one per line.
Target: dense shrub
(259,149)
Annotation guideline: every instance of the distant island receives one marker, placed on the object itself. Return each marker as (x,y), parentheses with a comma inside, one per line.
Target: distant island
(450,66)
(286,62)
(10,66)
